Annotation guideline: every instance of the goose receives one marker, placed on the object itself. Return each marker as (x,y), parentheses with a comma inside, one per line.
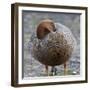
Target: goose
(53,45)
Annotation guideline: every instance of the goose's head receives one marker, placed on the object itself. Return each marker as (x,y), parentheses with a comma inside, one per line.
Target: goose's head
(44,28)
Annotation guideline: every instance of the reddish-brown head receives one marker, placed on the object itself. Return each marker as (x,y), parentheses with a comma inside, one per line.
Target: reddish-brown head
(45,27)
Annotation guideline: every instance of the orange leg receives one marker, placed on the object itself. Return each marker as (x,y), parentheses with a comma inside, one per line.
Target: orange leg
(47,70)
(65,69)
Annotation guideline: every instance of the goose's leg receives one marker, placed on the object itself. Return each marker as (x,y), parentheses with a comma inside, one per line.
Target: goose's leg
(53,70)
(65,68)
(46,67)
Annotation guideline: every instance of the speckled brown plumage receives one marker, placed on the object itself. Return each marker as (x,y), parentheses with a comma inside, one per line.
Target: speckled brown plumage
(54,43)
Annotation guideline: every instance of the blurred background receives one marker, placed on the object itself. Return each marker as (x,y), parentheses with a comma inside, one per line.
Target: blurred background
(30,20)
